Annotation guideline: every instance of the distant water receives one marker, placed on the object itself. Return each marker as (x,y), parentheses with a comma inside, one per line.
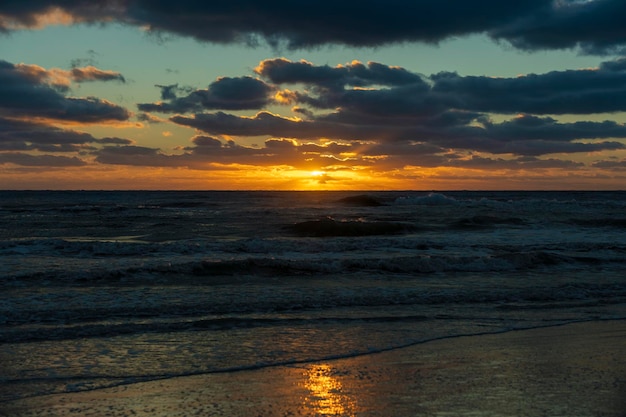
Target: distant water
(105,288)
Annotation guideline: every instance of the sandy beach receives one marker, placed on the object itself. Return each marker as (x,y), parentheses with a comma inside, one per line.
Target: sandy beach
(572,370)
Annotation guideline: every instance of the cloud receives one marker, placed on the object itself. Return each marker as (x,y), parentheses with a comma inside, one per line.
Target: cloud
(527,163)
(266,123)
(207,150)
(445,110)
(32,99)
(91,73)
(206,141)
(149,118)
(583,91)
(348,116)
(18,135)
(198,157)
(239,93)
(592,26)
(595,26)
(330,156)
(132,155)
(357,74)
(611,164)
(25,159)
(61,79)
(31,91)
(497,138)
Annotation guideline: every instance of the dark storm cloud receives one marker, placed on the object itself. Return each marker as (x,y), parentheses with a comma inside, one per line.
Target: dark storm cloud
(593,26)
(240,93)
(31,91)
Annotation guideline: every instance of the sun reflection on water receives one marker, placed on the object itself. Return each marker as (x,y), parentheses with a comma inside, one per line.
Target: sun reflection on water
(326,396)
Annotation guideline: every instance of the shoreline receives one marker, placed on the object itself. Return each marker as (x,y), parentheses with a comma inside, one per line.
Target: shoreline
(565,370)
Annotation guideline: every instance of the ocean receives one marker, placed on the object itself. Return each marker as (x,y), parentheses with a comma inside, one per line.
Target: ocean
(100,289)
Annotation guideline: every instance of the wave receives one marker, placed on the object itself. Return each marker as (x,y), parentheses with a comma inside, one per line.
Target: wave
(224,296)
(531,201)
(618,223)
(84,331)
(329,227)
(486,221)
(132,262)
(432,199)
(70,384)
(361,201)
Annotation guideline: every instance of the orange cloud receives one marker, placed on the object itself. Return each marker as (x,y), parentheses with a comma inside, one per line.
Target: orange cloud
(60,78)
(91,73)
(52,16)
(286,97)
(55,77)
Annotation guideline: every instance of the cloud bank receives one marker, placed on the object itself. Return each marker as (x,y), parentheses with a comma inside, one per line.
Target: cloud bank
(32,91)
(34,100)
(380,104)
(351,116)
(594,27)
(355,116)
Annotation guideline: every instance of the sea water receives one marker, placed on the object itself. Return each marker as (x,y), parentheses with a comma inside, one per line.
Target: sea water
(99,289)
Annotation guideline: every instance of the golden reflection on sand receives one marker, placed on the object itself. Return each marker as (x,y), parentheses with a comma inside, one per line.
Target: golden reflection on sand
(326,396)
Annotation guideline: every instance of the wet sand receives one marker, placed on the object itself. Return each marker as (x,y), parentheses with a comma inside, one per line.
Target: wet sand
(572,370)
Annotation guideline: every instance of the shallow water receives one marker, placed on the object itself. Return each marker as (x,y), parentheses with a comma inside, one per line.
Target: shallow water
(105,288)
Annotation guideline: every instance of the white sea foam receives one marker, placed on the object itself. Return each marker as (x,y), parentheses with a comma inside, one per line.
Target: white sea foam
(432,199)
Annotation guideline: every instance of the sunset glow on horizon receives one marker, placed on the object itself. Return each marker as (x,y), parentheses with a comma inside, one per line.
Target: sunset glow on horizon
(137,95)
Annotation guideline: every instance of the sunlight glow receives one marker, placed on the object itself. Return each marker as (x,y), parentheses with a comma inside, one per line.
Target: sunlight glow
(326,397)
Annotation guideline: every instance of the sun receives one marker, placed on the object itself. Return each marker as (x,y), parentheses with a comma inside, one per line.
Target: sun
(318,173)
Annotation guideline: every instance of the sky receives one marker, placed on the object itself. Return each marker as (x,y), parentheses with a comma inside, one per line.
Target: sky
(313,95)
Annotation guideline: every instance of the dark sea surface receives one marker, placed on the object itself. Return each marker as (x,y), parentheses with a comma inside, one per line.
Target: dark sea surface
(99,289)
